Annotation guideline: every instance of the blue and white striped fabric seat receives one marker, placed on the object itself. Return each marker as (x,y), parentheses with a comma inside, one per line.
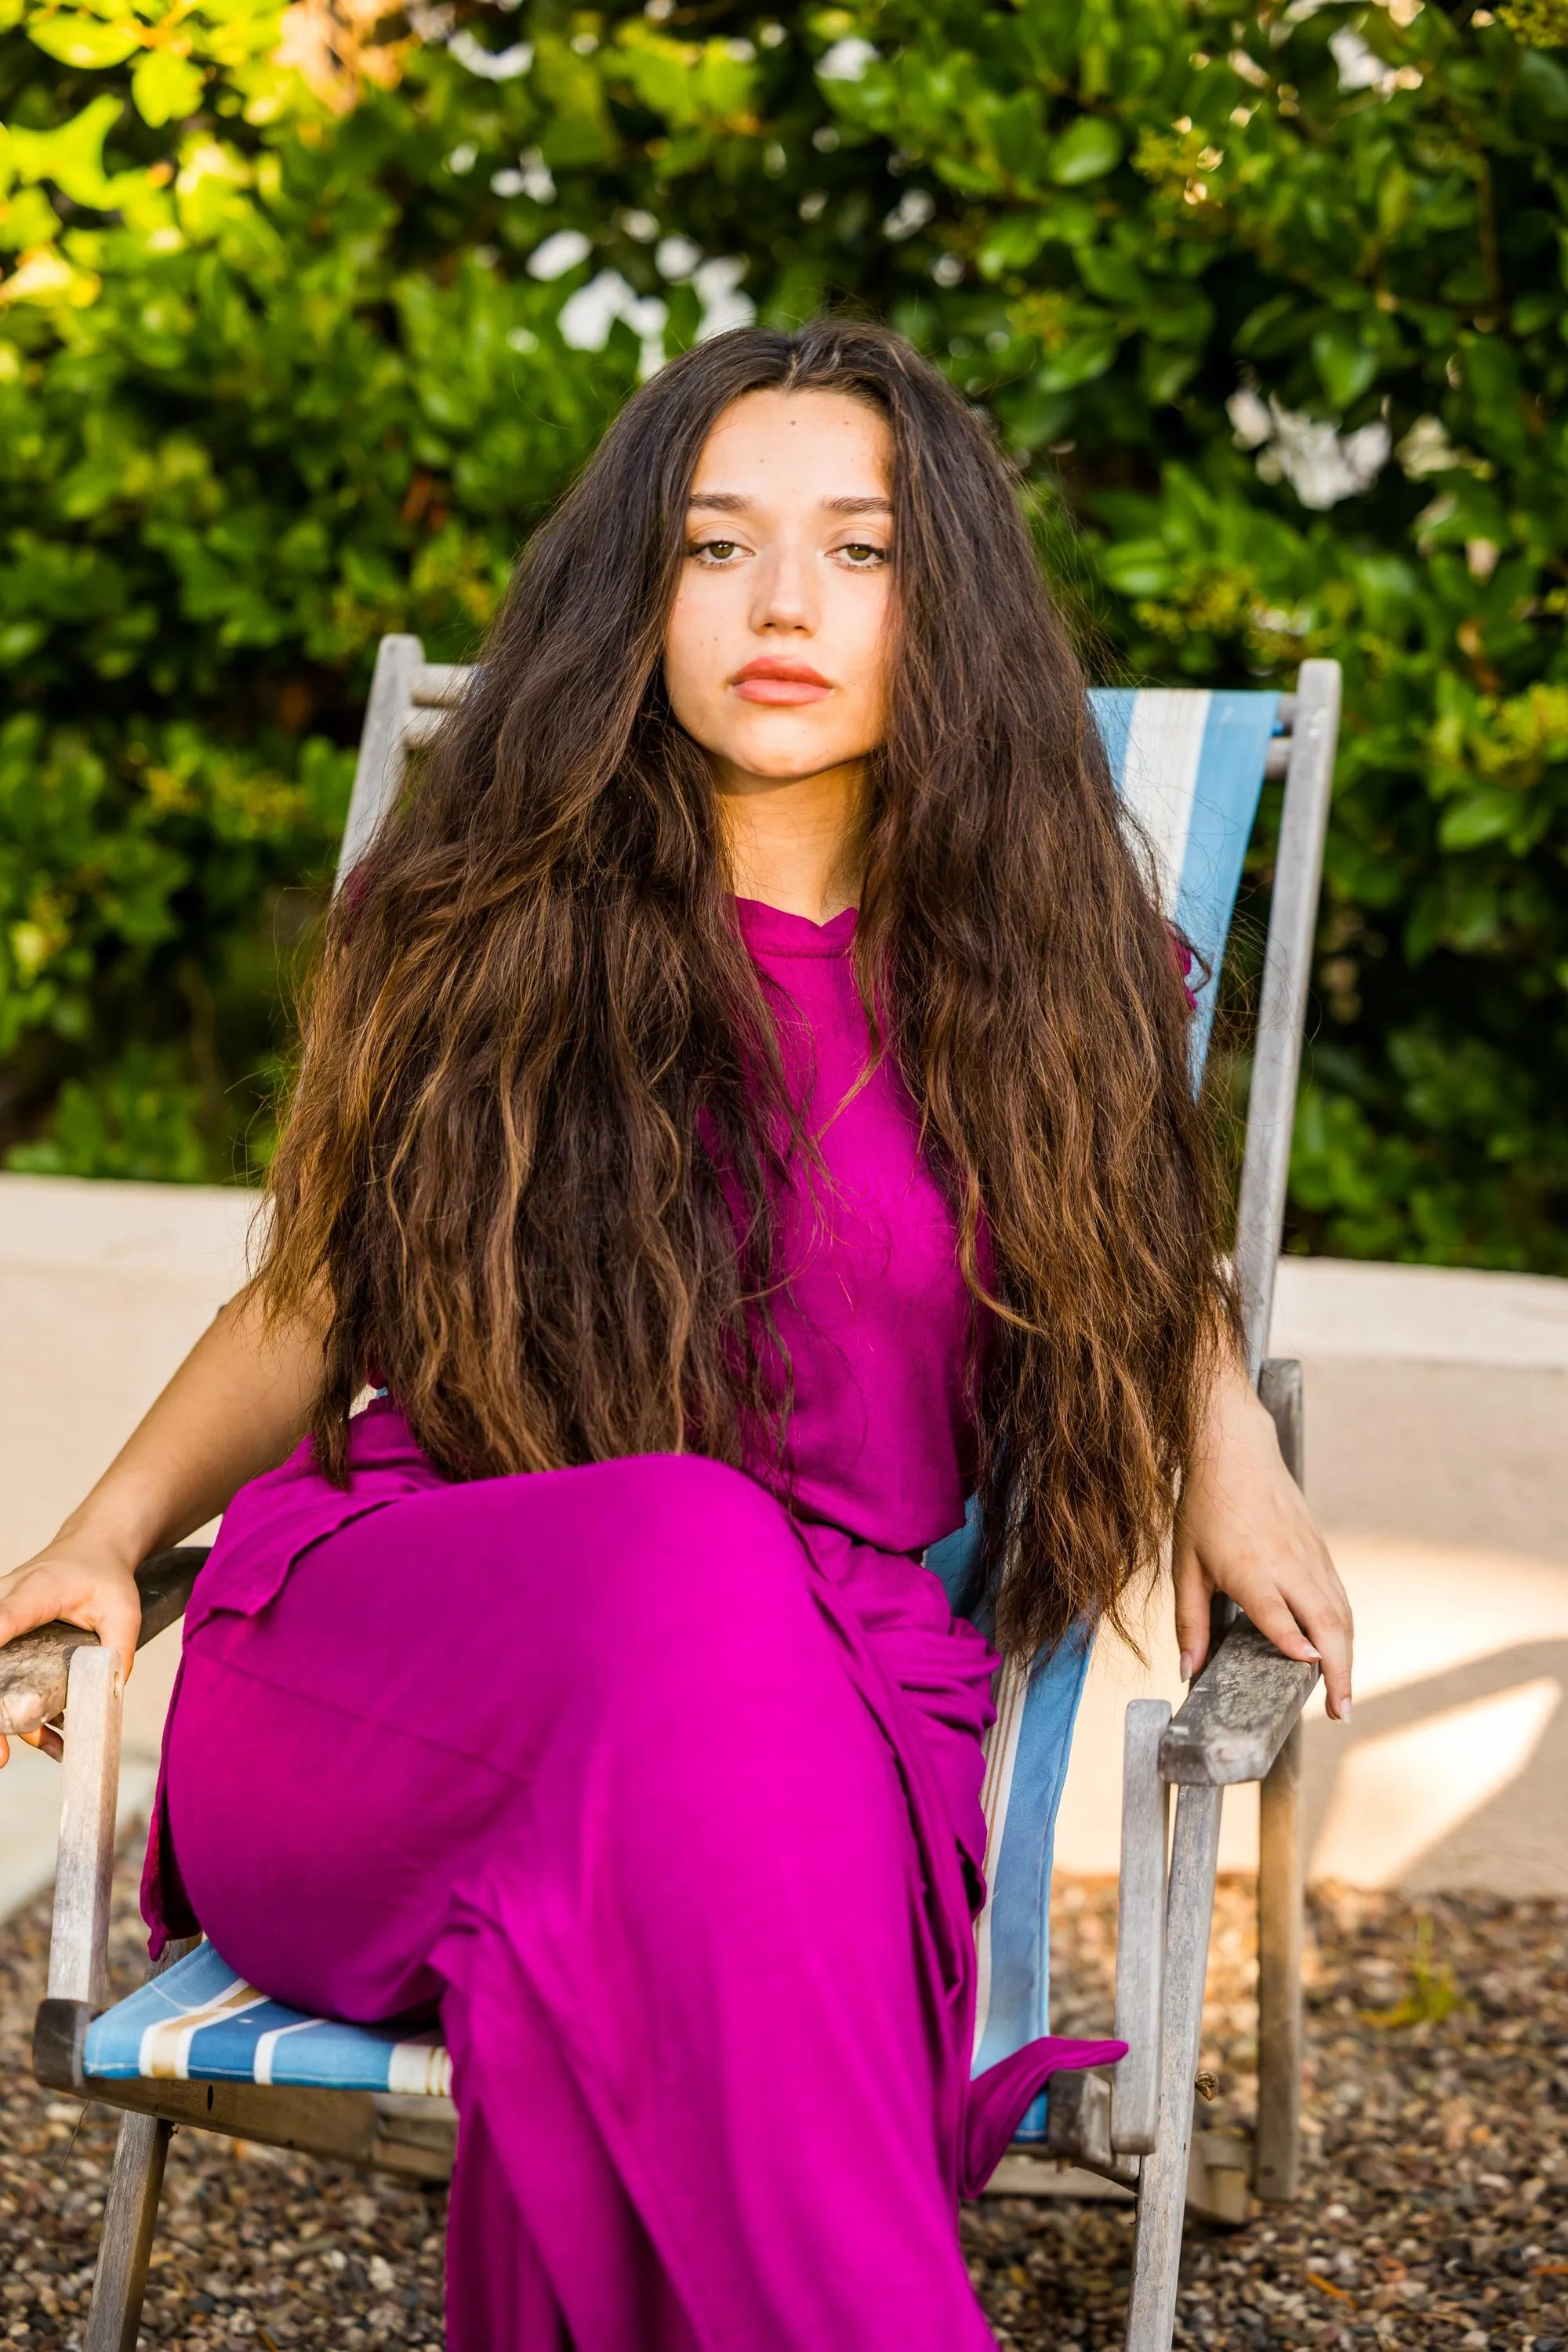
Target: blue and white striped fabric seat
(198,2023)
(1189,765)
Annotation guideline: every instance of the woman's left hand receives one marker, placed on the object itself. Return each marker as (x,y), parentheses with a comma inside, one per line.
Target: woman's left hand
(1243,1529)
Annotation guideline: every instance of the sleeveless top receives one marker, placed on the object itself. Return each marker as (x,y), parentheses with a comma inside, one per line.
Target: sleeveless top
(873,1311)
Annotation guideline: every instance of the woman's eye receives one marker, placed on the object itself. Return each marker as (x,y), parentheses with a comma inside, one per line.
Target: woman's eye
(716,550)
(862,556)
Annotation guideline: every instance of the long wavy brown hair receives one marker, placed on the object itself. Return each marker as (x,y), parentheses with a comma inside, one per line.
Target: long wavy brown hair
(538,1072)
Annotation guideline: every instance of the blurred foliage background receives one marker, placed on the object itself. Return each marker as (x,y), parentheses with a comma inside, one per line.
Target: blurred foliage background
(306,315)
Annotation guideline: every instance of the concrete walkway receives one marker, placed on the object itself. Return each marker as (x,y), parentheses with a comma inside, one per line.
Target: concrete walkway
(1436,1458)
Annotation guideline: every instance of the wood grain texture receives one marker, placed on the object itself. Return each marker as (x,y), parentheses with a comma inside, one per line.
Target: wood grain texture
(1238,1714)
(354,2126)
(1276,2165)
(1286,971)
(125,2247)
(1279,1392)
(89,1794)
(1163,2176)
(1078,2126)
(34,1668)
(1140,1929)
(1281,1873)
(440,686)
(1217,2177)
(422,727)
(59,2032)
(379,769)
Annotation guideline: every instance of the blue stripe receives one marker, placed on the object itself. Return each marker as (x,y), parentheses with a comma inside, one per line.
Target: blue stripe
(1021,1879)
(224,2052)
(352,2057)
(1224,806)
(1113,708)
(956,1560)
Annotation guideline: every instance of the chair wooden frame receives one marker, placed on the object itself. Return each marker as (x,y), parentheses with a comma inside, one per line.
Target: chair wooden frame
(1240,1723)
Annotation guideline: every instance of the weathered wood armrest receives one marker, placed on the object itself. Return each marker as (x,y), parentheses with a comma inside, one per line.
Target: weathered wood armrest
(1238,1714)
(33,1667)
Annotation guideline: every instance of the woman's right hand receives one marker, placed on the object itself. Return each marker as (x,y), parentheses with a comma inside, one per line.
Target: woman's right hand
(87,1582)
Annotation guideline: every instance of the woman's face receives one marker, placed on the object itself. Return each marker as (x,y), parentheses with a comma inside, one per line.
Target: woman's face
(776,654)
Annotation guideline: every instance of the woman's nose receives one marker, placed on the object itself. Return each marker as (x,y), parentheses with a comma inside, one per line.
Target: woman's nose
(787,595)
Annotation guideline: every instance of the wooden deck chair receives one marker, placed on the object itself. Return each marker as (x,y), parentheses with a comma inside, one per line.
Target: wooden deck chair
(195,2046)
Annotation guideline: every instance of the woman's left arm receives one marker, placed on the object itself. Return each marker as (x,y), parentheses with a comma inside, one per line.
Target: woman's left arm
(1243,1529)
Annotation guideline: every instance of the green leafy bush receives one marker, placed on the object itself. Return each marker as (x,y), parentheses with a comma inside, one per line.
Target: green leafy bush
(298,341)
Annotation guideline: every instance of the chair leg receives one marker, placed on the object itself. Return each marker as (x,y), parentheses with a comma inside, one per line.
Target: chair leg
(125,2249)
(1162,2175)
(1277,2151)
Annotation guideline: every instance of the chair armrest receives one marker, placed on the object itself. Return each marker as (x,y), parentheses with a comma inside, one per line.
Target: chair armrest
(1238,1714)
(33,1667)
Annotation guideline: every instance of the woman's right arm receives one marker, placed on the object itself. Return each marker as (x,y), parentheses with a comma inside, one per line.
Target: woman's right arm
(239,1403)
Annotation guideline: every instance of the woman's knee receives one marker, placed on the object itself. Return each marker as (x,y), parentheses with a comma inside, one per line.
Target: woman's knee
(710,1560)
(634,1557)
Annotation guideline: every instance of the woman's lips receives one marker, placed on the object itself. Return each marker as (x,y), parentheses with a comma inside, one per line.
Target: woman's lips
(781,682)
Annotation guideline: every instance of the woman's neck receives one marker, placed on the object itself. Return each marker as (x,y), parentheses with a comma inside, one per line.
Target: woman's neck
(793,841)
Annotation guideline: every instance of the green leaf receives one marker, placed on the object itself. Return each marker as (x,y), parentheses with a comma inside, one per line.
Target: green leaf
(71,154)
(85,42)
(1346,364)
(1087,151)
(1112,275)
(1139,567)
(164,88)
(1012,243)
(1082,358)
(1166,373)
(1482,817)
(1014,130)
(1544,93)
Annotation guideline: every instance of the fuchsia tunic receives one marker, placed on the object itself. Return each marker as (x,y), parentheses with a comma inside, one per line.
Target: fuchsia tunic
(666,1793)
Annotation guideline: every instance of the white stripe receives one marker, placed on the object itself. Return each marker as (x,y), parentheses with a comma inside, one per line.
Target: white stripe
(267,2045)
(164,2054)
(420,2069)
(1165,746)
(1001,1746)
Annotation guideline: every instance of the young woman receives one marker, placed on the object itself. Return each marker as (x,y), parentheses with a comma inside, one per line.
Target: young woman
(745,1109)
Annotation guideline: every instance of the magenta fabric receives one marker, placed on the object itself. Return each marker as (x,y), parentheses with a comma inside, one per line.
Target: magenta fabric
(660,1780)
(876,1318)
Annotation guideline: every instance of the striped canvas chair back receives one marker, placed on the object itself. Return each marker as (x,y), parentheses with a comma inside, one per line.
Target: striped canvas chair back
(1190,766)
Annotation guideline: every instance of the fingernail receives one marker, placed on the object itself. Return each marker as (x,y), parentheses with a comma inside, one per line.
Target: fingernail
(1345,1710)
(1186,1665)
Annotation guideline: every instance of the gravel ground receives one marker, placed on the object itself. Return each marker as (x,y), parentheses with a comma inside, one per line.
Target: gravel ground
(1435,2212)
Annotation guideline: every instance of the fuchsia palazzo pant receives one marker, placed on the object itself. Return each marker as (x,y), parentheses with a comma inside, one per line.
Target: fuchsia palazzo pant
(670,1805)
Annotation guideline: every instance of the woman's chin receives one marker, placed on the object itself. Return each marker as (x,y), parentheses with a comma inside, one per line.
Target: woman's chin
(781,756)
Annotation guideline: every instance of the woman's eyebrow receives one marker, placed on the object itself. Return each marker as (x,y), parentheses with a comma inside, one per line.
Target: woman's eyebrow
(734,502)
